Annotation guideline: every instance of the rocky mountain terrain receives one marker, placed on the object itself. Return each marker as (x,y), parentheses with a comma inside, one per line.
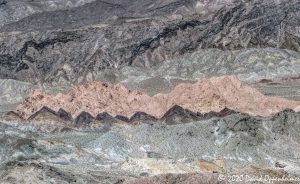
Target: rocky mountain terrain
(84,39)
(207,95)
(98,152)
(149,91)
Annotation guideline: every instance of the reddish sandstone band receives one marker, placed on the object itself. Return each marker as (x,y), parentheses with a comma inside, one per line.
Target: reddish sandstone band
(208,94)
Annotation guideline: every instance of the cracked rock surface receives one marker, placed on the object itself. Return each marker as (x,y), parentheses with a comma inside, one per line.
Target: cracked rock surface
(128,152)
(149,91)
(36,50)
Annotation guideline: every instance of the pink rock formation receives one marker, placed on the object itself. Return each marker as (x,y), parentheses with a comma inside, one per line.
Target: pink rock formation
(208,94)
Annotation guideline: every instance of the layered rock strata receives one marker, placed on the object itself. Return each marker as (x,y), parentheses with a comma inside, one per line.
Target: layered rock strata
(208,94)
(149,91)
(122,153)
(41,50)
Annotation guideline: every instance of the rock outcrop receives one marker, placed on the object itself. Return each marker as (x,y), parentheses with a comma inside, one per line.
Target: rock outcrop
(40,49)
(201,150)
(149,91)
(207,95)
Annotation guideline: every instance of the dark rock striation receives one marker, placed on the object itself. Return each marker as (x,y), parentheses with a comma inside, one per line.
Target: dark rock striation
(117,95)
(175,115)
(84,155)
(143,38)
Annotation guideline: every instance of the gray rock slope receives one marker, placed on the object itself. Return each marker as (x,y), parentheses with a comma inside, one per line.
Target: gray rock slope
(63,44)
(124,152)
(149,45)
(248,64)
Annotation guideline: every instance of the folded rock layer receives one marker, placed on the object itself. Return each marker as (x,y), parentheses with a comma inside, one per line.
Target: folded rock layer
(149,91)
(206,95)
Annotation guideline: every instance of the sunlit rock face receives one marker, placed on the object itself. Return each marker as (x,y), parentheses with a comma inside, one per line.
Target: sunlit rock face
(149,91)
